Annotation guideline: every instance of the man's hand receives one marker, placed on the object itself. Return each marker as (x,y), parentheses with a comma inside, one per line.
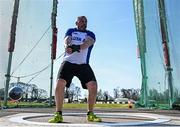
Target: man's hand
(73,48)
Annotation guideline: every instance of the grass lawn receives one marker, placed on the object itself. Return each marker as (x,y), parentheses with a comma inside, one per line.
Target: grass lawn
(79,105)
(66,105)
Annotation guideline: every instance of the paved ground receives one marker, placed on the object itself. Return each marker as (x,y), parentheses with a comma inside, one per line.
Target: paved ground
(74,119)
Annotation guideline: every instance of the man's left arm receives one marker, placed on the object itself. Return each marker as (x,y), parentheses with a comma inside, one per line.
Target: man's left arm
(87,42)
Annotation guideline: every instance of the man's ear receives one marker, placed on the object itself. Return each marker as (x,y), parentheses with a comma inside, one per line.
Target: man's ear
(76,23)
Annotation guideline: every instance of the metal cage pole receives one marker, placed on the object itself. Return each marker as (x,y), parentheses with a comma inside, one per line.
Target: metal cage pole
(165,41)
(53,45)
(11,48)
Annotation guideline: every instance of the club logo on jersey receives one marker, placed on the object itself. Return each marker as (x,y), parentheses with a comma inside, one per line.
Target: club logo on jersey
(76,38)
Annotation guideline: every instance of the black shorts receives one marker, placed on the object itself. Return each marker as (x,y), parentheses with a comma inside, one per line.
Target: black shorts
(83,71)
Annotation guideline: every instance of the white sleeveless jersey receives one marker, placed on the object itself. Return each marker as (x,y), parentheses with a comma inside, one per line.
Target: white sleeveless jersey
(78,38)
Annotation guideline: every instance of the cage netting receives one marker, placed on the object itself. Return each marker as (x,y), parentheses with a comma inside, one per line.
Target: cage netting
(156,22)
(31,59)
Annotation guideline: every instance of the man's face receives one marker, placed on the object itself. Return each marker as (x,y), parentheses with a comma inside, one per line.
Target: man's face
(81,23)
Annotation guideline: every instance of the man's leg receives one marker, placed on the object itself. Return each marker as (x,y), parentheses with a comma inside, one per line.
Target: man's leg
(59,94)
(59,98)
(92,89)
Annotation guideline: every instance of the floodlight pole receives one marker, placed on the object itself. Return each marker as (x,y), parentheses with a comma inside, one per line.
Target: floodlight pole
(11,49)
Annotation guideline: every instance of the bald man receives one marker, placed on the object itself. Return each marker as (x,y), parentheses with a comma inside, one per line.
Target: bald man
(78,45)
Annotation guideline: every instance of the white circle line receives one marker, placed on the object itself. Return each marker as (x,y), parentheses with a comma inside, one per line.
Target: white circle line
(22,118)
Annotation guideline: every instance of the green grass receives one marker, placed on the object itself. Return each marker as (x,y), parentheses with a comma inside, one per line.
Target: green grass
(104,106)
(26,104)
(66,105)
(111,105)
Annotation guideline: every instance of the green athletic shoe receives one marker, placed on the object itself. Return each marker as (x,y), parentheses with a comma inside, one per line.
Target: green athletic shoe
(57,118)
(93,118)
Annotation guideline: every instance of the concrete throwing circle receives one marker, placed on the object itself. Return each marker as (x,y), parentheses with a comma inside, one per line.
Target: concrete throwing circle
(79,119)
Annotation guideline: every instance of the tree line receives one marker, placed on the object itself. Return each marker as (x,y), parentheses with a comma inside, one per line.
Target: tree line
(31,92)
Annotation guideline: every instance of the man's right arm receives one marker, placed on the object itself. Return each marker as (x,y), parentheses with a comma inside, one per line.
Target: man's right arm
(67,40)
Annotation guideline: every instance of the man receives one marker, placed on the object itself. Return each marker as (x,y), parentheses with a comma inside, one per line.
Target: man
(78,45)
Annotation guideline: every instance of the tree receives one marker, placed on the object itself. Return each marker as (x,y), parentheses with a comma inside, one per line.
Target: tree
(106,95)
(100,95)
(153,94)
(70,93)
(130,93)
(125,93)
(34,92)
(77,92)
(42,94)
(116,92)
(135,94)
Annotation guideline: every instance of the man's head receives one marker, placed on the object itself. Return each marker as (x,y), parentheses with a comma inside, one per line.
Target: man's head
(81,23)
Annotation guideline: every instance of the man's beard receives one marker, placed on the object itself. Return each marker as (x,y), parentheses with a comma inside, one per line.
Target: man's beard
(83,27)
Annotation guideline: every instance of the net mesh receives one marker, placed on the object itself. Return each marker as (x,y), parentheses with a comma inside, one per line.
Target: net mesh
(31,59)
(155,91)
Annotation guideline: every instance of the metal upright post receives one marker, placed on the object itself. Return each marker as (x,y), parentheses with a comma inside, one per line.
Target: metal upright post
(53,45)
(51,82)
(7,79)
(165,41)
(11,48)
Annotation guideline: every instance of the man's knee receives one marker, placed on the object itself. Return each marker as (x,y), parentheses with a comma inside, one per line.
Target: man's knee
(61,83)
(92,85)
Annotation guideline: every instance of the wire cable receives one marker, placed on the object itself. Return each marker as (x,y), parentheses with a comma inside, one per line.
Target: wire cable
(43,69)
(38,72)
(31,50)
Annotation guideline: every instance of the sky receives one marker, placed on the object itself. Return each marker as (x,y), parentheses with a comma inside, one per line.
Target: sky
(114,56)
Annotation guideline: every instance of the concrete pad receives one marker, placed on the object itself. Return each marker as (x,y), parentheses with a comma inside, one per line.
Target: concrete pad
(79,120)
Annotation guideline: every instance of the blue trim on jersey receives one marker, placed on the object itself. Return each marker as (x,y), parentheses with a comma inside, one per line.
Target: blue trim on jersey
(91,34)
(71,30)
(89,53)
